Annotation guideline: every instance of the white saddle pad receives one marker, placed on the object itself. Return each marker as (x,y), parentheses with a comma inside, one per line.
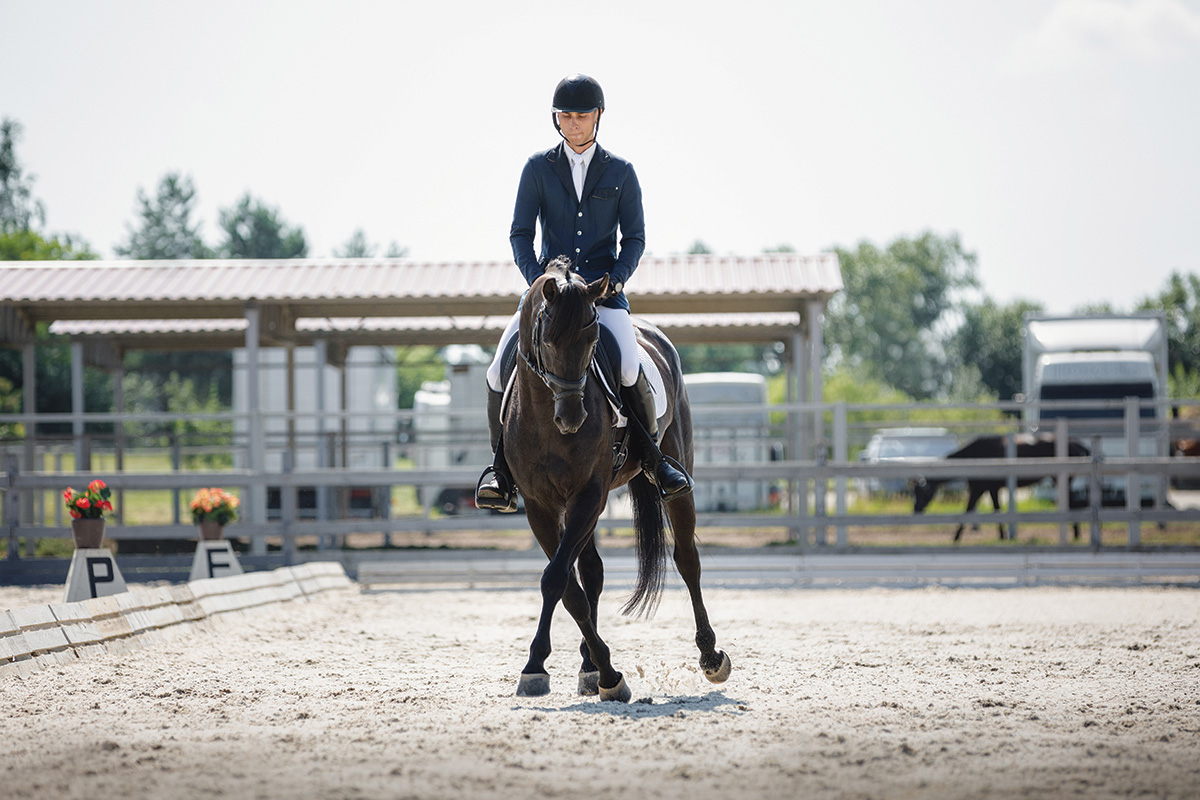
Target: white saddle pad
(656,386)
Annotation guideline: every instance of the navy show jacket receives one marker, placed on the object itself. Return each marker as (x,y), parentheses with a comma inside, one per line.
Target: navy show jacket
(585,232)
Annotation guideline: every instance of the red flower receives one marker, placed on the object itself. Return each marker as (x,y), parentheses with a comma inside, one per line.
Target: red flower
(83,502)
(96,485)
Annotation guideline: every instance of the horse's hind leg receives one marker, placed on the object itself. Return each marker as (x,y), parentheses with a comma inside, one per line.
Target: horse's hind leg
(682,511)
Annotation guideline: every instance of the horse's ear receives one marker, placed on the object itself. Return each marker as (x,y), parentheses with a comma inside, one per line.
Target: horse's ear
(597,290)
(550,290)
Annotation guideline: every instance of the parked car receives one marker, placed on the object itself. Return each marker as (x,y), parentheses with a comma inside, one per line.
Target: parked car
(904,446)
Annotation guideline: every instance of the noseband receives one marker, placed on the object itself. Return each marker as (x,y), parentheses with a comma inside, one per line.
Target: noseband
(560,386)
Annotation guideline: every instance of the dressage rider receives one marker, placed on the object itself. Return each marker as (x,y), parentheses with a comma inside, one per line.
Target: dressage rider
(582,194)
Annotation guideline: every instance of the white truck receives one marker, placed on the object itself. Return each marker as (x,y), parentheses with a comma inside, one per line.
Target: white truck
(1083,368)
(734,434)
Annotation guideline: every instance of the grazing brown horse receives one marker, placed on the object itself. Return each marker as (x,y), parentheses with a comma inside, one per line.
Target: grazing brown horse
(559,438)
(995,447)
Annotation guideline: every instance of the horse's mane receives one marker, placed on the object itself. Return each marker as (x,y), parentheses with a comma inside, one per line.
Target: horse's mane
(572,309)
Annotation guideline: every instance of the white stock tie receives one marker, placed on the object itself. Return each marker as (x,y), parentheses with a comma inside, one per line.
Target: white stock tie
(577,175)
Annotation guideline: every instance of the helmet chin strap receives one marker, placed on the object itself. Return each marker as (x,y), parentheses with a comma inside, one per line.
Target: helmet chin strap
(595,130)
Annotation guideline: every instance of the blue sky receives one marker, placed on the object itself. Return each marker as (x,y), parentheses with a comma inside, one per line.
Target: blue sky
(1058,138)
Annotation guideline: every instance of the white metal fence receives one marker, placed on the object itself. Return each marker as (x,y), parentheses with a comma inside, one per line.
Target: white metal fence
(808,465)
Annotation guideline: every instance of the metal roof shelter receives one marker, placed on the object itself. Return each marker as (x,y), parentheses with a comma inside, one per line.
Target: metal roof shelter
(110,307)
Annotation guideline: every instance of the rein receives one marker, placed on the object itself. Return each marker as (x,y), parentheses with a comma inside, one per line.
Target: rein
(560,386)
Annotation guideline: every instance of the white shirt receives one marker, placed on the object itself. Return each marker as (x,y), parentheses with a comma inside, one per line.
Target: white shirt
(579,166)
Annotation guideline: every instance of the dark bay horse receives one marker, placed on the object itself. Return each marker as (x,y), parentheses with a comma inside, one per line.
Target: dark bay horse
(559,442)
(994,447)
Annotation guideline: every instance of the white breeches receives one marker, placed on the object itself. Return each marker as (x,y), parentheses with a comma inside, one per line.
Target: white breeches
(616,320)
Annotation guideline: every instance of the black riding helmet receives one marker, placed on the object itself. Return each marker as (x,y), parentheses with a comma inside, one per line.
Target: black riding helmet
(577,93)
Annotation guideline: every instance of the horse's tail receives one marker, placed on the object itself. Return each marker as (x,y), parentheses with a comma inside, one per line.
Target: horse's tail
(650,525)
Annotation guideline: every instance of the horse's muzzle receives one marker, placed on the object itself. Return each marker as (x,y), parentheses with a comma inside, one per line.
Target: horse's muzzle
(569,415)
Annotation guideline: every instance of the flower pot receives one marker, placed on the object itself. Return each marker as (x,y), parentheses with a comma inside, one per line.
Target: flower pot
(211,530)
(87,533)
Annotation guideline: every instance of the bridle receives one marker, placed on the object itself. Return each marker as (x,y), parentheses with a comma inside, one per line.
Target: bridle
(559,385)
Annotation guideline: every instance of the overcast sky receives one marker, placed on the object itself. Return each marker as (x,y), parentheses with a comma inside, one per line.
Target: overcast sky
(1059,138)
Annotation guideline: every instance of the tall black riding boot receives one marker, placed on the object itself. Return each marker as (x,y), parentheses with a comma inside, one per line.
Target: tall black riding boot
(496,492)
(669,477)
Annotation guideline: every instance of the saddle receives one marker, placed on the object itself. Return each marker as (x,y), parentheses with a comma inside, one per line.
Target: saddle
(605,366)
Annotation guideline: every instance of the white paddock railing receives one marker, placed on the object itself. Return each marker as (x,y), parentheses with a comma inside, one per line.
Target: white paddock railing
(815,489)
(808,529)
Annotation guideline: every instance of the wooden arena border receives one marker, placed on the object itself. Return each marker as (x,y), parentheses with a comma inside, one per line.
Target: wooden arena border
(37,637)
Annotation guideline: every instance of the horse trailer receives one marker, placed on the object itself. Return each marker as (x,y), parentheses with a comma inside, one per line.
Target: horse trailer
(735,431)
(1085,369)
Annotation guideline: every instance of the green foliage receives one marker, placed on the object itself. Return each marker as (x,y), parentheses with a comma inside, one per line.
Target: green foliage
(1180,299)
(53,375)
(759,359)
(989,340)
(356,246)
(29,246)
(415,365)
(178,395)
(254,230)
(699,248)
(884,321)
(166,229)
(10,403)
(19,209)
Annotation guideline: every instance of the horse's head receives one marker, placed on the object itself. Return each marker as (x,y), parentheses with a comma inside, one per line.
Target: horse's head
(559,331)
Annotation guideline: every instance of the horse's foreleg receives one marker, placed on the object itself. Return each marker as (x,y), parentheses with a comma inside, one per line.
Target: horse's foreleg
(591,577)
(714,662)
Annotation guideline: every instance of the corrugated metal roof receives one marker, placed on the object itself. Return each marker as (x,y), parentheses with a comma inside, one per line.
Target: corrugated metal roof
(27,283)
(442,301)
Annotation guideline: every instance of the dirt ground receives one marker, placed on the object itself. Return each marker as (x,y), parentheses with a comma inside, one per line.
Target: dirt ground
(1041,693)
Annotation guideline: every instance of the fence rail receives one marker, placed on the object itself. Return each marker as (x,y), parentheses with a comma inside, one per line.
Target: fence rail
(808,528)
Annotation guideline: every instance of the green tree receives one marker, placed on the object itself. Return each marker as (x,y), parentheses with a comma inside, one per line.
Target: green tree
(19,209)
(166,228)
(989,339)
(699,248)
(254,230)
(29,246)
(356,246)
(884,320)
(1180,299)
(416,364)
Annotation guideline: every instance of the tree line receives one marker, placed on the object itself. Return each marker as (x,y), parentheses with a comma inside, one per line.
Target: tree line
(910,325)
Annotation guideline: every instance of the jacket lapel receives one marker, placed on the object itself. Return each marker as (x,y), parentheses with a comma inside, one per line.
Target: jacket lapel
(562,168)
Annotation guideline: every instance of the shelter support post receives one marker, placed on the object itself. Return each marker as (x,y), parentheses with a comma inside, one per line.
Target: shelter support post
(29,409)
(81,464)
(820,441)
(256,453)
(798,487)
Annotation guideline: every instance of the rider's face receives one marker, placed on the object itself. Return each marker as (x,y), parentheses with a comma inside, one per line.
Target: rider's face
(577,127)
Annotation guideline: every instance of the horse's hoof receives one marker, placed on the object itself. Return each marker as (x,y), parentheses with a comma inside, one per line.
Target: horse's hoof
(620,693)
(589,683)
(534,684)
(721,673)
